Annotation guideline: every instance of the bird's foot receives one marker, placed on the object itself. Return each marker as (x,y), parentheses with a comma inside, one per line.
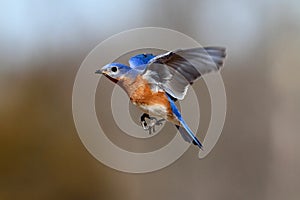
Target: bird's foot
(144,122)
(152,122)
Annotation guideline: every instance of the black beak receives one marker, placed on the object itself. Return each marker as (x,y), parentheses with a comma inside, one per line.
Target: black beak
(99,71)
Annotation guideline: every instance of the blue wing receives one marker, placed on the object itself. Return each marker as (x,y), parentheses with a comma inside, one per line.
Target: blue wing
(185,131)
(140,61)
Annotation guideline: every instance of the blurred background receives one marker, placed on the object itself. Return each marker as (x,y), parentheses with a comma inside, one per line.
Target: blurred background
(42,46)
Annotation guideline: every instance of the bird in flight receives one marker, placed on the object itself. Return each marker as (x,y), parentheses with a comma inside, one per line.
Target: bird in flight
(155,82)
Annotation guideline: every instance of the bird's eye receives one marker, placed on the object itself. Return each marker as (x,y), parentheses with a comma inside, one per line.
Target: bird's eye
(114,69)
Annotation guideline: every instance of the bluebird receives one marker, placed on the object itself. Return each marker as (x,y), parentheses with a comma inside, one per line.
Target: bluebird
(155,82)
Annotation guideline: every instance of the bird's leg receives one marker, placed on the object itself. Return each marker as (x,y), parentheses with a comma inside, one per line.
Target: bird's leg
(159,122)
(143,121)
(153,122)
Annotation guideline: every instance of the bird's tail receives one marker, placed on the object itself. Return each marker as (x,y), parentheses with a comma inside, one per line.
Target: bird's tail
(184,129)
(188,135)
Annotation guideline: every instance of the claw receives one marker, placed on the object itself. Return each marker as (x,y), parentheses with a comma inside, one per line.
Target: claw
(153,122)
(143,121)
(145,125)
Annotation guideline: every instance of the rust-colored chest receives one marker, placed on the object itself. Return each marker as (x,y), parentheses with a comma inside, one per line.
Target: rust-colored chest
(140,93)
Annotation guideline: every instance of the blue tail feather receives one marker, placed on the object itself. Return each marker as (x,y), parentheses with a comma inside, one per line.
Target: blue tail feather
(185,131)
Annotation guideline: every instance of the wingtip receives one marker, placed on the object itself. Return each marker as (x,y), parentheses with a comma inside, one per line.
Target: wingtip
(217,54)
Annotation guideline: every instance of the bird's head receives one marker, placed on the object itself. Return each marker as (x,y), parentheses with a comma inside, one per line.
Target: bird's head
(114,71)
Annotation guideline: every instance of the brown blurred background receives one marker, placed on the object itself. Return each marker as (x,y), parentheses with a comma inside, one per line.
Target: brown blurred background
(42,47)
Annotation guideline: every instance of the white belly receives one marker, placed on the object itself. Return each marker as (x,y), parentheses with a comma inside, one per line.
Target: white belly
(156,110)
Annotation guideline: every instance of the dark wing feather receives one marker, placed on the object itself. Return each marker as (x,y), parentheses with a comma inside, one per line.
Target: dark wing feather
(175,71)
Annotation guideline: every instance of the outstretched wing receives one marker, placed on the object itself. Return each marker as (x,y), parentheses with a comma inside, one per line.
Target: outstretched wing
(175,71)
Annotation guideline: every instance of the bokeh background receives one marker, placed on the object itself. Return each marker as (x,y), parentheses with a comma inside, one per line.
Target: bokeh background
(42,44)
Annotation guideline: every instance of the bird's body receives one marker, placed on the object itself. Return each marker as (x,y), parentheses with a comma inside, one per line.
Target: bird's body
(153,83)
(154,103)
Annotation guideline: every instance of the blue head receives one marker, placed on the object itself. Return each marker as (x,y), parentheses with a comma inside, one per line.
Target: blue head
(140,59)
(114,71)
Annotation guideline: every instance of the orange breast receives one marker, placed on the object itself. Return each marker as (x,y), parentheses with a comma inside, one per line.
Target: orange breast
(140,93)
(144,95)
